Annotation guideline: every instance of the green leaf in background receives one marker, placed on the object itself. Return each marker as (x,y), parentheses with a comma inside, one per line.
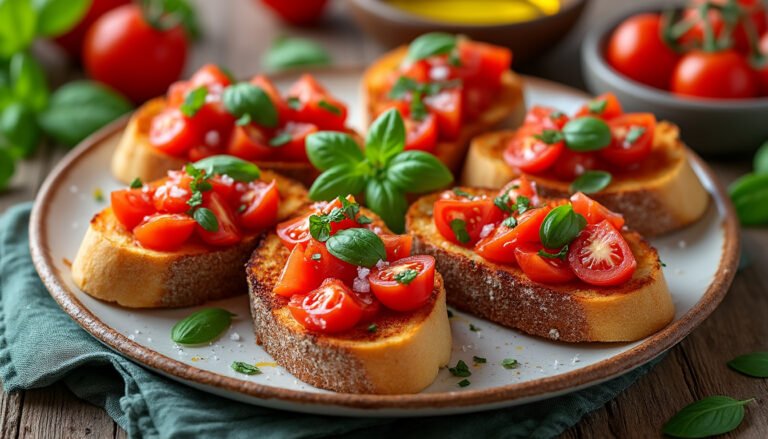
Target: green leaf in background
(7,167)
(249,103)
(387,201)
(19,132)
(28,82)
(326,149)
(418,172)
(338,181)
(385,138)
(236,168)
(18,23)
(78,109)
(590,182)
(201,326)
(167,14)
(708,417)
(761,160)
(434,43)
(750,198)
(56,17)
(291,52)
(754,364)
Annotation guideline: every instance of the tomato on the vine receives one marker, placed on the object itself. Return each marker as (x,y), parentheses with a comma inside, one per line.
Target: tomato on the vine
(72,40)
(754,12)
(297,12)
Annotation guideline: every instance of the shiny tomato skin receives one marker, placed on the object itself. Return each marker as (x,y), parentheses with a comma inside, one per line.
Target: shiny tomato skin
(300,275)
(397,246)
(250,142)
(172,194)
(298,13)
(294,231)
(328,265)
(762,70)
(400,296)
(483,63)
(421,134)
(530,154)
(228,233)
(211,76)
(331,308)
(261,201)
(446,106)
(542,269)
(521,186)
(164,231)
(755,12)
(595,212)
(636,50)
(295,149)
(316,105)
(601,256)
(621,152)
(499,246)
(721,75)
(571,164)
(173,133)
(612,107)
(123,51)
(475,214)
(130,206)
(72,40)
(546,117)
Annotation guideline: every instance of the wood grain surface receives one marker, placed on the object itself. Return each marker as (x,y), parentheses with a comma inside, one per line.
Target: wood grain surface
(236,34)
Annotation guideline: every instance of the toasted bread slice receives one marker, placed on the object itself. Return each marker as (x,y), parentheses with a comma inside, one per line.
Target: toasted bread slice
(136,157)
(110,265)
(403,355)
(661,195)
(507,111)
(574,312)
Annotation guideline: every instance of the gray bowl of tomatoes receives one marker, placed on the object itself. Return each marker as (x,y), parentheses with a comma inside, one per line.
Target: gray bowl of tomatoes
(701,67)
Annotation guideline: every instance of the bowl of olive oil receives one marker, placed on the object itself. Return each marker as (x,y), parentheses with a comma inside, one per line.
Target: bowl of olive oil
(528,27)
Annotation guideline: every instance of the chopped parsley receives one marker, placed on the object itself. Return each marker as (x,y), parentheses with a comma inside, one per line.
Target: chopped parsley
(362,219)
(510,222)
(502,202)
(136,183)
(316,256)
(597,106)
(461,369)
(294,103)
(510,363)
(372,328)
(329,107)
(461,193)
(320,224)
(473,328)
(459,227)
(479,360)
(464,383)
(634,134)
(523,203)
(550,137)
(561,254)
(98,195)
(280,139)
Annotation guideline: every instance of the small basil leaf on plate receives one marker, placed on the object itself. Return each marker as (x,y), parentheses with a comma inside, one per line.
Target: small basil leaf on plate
(433,43)
(201,326)
(587,134)
(386,138)
(707,417)
(357,246)
(418,172)
(337,181)
(754,364)
(287,52)
(750,198)
(236,168)
(245,368)
(194,101)
(510,363)
(206,219)
(249,103)
(7,167)
(389,202)
(326,149)
(561,226)
(590,182)
(54,17)
(761,160)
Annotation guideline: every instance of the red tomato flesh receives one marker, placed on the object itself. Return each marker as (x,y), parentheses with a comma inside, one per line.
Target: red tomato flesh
(164,232)
(331,308)
(403,293)
(542,269)
(601,256)
(628,148)
(500,245)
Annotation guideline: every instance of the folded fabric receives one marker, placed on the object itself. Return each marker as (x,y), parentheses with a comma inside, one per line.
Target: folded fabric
(40,344)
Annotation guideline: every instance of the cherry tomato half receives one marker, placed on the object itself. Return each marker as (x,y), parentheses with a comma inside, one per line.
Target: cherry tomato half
(595,212)
(397,246)
(446,106)
(546,117)
(227,233)
(330,308)
(250,142)
(173,133)
(172,194)
(461,220)
(316,105)
(421,134)
(405,284)
(165,232)
(632,142)
(261,201)
(529,150)
(601,256)
(500,245)
(540,268)
(130,206)
(605,106)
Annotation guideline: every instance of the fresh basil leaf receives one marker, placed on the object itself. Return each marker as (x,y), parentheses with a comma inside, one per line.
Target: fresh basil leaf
(337,181)
(634,134)
(206,218)
(386,138)
(249,103)
(280,140)
(388,201)
(754,364)
(459,228)
(55,17)
(431,44)
(357,246)
(417,108)
(28,81)
(194,101)
(195,199)
(761,160)
(319,227)
(286,53)
(750,198)
(418,172)
(406,276)
(590,182)
(587,134)
(402,87)
(707,417)
(136,183)
(78,109)
(236,168)
(7,168)
(597,106)
(460,370)
(550,137)
(19,132)
(329,107)
(202,326)
(510,222)
(245,368)
(372,328)
(18,23)
(327,149)
(561,226)
(510,363)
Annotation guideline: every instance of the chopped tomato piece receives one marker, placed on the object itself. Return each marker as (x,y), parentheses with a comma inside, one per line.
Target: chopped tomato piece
(595,212)
(330,308)
(171,195)
(534,149)
(261,201)
(446,106)
(177,92)
(173,133)
(605,106)
(328,265)
(316,105)
(632,139)
(130,206)
(500,245)
(405,284)
(289,142)
(483,63)
(370,305)
(250,142)
(571,164)
(546,117)
(601,256)
(521,186)
(416,70)
(294,231)
(421,134)
(164,232)
(300,274)
(397,246)
(227,232)
(541,268)
(476,99)
(461,221)
(211,76)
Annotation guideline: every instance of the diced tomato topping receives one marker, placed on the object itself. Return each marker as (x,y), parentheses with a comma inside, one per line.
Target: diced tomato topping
(570,164)
(260,201)
(283,111)
(548,270)
(500,245)
(546,117)
(534,149)
(601,256)
(461,221)
(316,105)
(164,232)
(250,142)
(300,275)
(397,246)
(405,284)
(172,194)
(173,133)
(130,206)
(328,265)
(595,212)
(288,144)
(421,134)
(632,139)
(331,308)
(227,232)
(446,106)
(294,231)
(482,62)
(521,186)
(605,106)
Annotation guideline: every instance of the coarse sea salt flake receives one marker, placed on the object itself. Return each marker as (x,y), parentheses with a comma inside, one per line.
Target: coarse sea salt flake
(486,230)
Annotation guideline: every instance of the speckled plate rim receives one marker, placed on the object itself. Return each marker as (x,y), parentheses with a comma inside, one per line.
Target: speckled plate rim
(650,348)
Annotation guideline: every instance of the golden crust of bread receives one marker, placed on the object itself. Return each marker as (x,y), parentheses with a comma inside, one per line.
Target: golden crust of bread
(662,195)
(574,312)
(136,157)
(110,266)
(508,110)
(402,356)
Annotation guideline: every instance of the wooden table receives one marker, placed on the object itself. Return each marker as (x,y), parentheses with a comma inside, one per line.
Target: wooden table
(236,35)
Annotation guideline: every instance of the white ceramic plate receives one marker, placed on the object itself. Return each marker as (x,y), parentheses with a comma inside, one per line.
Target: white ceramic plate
(700,262)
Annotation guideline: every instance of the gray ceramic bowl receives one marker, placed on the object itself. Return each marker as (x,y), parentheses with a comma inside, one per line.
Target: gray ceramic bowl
(392,27)
(709,126)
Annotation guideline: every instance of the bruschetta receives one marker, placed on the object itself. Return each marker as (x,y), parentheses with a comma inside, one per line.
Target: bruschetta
(447,94)
(632,163)
(565,269)
(183,240)
(209,114)
(339,302)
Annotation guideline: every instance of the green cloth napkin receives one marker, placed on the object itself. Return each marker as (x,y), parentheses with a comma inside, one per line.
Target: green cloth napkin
(40,344)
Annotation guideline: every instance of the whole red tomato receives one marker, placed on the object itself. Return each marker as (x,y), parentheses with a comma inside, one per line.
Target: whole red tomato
(72,41)
(122,50)
(636,50)
(297,12)
(724,75)
(754,12)
(762,68)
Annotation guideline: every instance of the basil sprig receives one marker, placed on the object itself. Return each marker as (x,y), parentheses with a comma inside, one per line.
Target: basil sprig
(233,167)
(202,326)
(357,246)
(250,103)
(587,134)
(194,101)
(754,364)
(384,171)
(590,182)
(431,44)
(561,226)
(707,417)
